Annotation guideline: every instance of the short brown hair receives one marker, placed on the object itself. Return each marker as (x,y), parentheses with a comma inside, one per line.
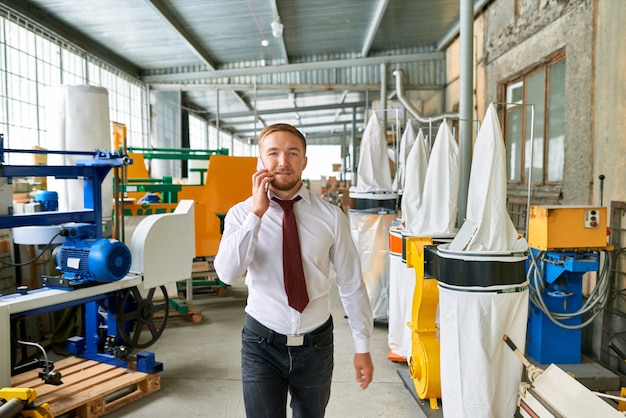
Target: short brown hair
(282,127)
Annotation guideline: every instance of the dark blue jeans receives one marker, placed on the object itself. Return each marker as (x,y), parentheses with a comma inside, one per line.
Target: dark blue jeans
(270,370)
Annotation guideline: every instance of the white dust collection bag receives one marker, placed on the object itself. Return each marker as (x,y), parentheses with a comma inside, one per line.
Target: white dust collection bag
(402,278)
(370,221)
(488,226)
(486,294)
(401,288)
(370,235)
(406,144)
(373,171)
(436,215)
(416,166)
(480,375)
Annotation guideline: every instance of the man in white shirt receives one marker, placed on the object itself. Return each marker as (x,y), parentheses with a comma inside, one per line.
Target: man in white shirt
(286,349)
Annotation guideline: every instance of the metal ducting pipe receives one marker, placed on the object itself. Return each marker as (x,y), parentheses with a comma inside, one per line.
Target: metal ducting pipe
(409,106)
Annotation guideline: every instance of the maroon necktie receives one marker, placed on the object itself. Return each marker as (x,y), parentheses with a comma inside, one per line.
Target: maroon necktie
(295,284)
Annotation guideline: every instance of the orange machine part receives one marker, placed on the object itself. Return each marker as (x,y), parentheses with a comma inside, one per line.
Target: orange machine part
(228,181)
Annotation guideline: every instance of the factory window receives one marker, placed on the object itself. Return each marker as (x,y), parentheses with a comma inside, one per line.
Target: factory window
(197,133)
(31,59)
(218,140)
(197,141)
(534,124)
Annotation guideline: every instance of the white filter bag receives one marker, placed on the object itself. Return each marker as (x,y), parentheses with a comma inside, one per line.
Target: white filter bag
(406,144)
(416,166)
(373,172)
(480,375)
(401,288)
(436,215)
(370,235)
(488,226)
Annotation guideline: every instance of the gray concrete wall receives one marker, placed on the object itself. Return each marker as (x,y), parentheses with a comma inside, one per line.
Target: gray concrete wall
(609,157)
(543,28)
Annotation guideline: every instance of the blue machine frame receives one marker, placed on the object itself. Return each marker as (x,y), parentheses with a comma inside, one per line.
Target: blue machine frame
(560,290)
(93,171)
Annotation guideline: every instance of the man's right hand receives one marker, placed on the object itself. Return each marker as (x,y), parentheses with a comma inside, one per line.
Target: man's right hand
(260,184)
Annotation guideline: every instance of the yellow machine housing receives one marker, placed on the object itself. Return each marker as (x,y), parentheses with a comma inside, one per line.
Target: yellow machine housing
(424,363)
(559,226)
(27,396)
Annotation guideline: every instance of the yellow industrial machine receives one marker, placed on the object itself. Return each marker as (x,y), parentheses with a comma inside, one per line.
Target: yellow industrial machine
(424,363)
(18,402)
(560,226)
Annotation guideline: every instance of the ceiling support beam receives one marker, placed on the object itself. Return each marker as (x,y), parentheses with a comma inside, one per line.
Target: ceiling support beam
(454,30)
(232,128)
(371,32)
(191,42)
(189,39)
(291,110)
(288,68)
(296,88)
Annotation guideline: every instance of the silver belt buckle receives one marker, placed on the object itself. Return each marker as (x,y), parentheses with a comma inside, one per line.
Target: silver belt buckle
(295,340)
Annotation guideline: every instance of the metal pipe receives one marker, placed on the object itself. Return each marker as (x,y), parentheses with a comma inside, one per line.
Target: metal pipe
(601,187)
(399,74)
(465,104)
(383,98)
(12,408)
(530,168)
(353,176)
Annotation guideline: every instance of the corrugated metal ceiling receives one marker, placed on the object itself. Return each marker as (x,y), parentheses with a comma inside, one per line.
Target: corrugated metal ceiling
(326,63)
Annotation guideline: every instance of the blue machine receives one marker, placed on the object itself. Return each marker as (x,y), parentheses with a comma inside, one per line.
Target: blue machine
(84,259)
(556,311)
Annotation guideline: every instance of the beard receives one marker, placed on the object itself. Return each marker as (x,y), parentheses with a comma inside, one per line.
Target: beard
(285,185)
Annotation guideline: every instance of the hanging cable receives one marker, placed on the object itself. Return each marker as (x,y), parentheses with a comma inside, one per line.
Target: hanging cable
(596,299)
(25,263)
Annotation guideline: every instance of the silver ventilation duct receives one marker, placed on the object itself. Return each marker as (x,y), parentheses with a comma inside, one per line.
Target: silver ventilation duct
(409,106)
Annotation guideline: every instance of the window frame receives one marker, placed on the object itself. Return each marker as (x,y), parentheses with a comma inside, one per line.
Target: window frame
(506,87)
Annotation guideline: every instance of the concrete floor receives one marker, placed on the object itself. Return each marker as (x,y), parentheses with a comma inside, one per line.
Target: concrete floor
(202,377)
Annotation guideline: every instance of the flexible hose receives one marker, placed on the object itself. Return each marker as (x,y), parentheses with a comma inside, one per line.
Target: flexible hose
(596,299)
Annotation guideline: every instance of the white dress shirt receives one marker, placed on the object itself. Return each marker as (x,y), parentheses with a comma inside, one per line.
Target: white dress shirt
(252,246)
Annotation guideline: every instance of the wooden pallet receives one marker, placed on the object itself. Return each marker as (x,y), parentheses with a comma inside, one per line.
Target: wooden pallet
(180,312)
(90,389)
(177,317)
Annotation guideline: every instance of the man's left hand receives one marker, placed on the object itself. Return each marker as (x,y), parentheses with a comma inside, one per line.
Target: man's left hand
(364,369)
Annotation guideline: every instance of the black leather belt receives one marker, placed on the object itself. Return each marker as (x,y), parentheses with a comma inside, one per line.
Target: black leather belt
(315,336)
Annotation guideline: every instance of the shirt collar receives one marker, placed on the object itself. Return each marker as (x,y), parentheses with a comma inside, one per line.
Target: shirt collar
(303,191)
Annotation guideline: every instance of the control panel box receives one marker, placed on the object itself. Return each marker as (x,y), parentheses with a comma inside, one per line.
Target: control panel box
(552,227)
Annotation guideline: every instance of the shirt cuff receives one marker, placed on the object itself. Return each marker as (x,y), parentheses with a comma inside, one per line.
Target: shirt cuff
(251,222)
(361,345)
